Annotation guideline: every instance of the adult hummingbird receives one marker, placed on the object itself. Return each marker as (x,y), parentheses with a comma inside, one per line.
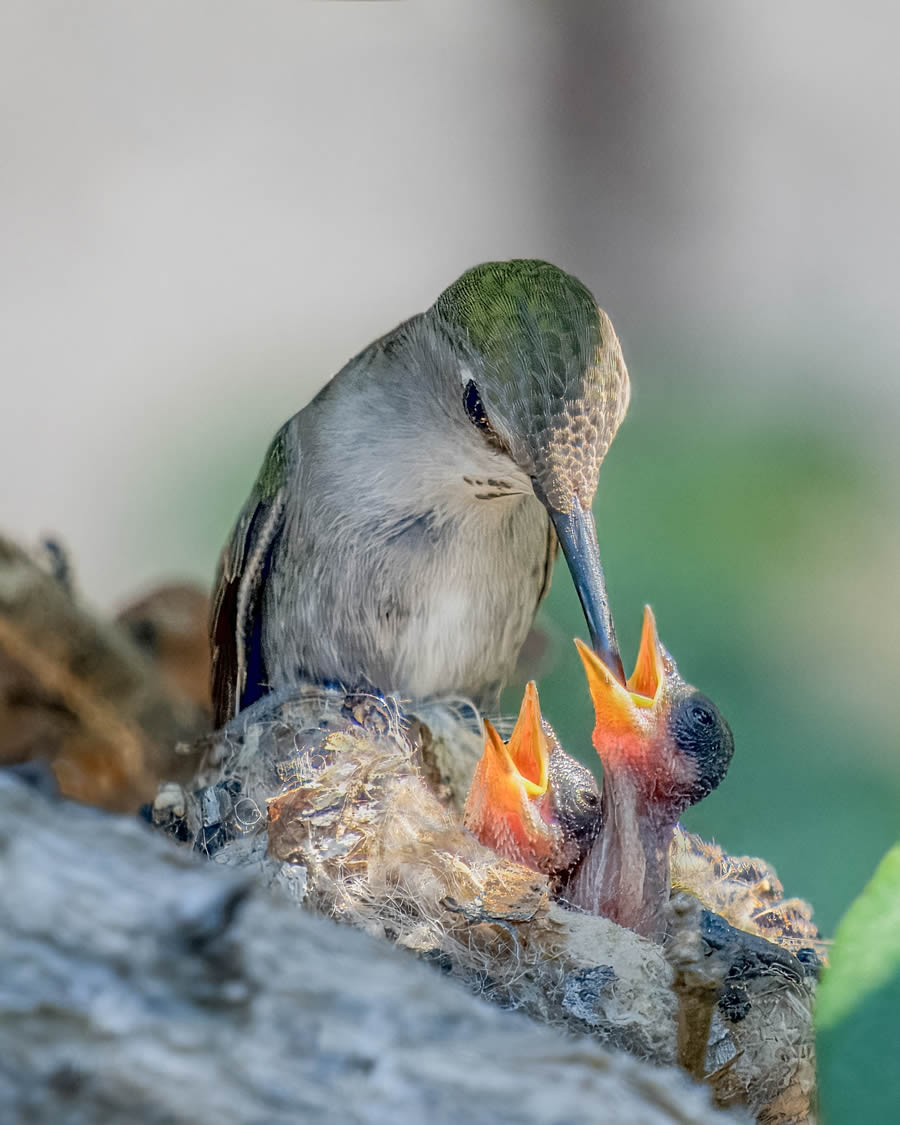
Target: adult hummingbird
(403,528)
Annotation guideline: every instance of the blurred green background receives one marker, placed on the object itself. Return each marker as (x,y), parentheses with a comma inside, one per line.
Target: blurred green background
(206,209)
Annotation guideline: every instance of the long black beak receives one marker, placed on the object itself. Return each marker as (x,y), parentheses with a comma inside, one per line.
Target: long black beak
(578,539)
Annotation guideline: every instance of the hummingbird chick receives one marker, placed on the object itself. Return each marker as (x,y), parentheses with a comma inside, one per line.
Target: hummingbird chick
(664,747)
(529,801)
(403,528)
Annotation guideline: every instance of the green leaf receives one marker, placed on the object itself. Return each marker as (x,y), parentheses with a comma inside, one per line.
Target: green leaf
(858,1007)
(866,953)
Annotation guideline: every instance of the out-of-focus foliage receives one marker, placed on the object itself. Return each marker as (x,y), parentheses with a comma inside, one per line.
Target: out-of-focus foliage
(858,1001)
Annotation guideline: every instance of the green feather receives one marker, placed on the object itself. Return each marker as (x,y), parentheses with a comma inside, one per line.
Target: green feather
(273,473)
(528,310)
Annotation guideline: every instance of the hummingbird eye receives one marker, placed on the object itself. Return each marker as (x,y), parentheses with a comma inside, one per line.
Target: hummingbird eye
(475,407)
(588,797)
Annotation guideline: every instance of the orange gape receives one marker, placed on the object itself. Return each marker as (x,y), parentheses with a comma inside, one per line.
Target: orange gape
(503,805)
(625,718)
(529,801)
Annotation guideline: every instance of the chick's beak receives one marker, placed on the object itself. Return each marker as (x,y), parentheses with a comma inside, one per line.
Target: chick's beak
(507,778)
(578,538)
(528,748)
(649,669)
(517,770)
(625,711)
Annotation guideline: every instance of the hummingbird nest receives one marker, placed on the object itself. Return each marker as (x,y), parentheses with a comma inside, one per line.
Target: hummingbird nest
(350,807)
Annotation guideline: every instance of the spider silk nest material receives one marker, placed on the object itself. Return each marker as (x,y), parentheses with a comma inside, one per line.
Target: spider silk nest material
(325,797)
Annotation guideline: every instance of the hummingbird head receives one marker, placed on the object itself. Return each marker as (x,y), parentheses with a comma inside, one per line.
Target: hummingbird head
(529,800)
(544,381)
(547,381)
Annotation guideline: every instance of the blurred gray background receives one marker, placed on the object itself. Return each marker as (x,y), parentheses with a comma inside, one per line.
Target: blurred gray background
(205,208)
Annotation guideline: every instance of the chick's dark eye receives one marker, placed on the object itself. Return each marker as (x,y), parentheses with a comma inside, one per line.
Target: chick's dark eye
(475,407)
(696,721)
(700,733)
(702,715)
(587,797)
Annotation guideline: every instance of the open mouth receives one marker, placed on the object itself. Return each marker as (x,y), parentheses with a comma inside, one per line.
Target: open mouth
(619,706)
(503,808)
(525,758)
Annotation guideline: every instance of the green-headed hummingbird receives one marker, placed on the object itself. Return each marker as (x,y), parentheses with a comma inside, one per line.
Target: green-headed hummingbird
(403,528)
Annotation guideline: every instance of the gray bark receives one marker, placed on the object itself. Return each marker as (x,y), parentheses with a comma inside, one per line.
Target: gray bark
(140,984)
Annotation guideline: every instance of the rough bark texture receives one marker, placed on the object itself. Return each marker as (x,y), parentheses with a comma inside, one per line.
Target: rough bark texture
(142,985)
